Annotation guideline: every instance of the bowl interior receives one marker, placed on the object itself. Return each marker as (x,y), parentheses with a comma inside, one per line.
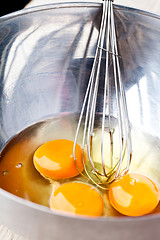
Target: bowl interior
(46,58)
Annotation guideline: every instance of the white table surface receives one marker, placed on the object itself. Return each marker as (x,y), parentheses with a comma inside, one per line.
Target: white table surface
(146,5)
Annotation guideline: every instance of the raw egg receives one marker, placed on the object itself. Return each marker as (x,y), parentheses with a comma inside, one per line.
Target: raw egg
(77,198)
(55,160)
(134,195)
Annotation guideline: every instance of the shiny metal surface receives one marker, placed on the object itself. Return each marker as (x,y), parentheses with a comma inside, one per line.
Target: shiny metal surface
(106,49)
(46,56)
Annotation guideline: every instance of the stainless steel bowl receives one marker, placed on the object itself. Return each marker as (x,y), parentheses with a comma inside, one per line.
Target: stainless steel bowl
(46,56)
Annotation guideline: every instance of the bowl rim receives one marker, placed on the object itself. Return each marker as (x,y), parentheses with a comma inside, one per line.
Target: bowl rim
(36,206)
(94,4)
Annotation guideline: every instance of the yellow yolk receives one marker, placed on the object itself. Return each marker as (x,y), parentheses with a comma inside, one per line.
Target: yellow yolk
(55,160)
(134,195)
(77,198)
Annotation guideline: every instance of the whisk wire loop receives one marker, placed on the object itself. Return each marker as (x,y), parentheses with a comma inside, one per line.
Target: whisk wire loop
(107,43)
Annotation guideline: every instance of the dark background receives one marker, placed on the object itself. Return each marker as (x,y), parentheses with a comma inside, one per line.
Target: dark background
(8,6)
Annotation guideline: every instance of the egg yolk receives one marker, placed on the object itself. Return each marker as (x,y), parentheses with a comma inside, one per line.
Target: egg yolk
(55,160)
(77,198)
(134,195)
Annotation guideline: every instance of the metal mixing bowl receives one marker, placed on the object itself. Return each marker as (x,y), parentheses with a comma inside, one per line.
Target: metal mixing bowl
(46,56)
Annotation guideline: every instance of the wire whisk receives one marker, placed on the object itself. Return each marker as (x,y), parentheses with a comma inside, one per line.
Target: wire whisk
(107,49)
